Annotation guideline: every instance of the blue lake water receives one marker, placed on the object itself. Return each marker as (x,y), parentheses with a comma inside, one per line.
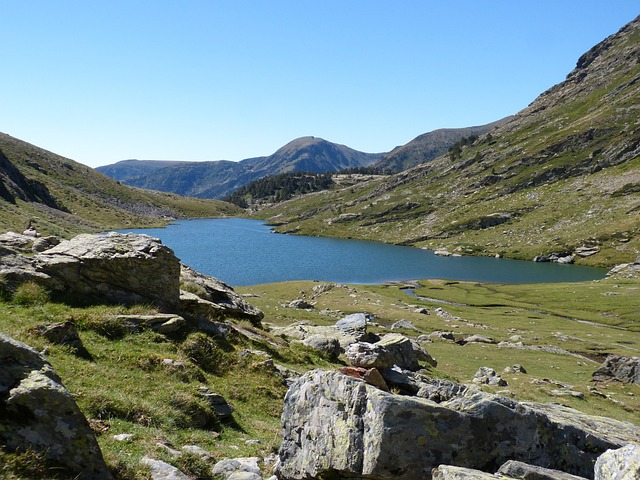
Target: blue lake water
(246,252)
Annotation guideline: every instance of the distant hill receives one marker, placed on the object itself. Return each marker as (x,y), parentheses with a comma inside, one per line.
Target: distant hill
(219,178)
(431,145)
(59,196)
(562,176)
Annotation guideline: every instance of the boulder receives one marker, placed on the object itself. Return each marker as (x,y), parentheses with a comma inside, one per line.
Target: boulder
(515,469)
(479,339)
(406,324)
(216,299)
(160,322)
(328,346)
(406,353)
(449,472)
(113,268)
(39,414)
(354,325)
(379,435)
(243,468)
(369,355)
(162,470)
(217,402)
(617,367)
(488,376)
(620,464)
(64,333)
(301,304)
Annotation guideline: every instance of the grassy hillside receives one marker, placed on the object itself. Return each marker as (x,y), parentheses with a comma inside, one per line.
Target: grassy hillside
(154,379)
(59,196)
(563,173)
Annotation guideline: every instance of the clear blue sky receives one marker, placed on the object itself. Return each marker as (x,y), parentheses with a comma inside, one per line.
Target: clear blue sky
(103,81)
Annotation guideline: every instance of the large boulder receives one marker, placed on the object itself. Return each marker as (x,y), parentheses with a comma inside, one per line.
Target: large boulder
(379,435)
(113,268)
(406,353)
(39,414)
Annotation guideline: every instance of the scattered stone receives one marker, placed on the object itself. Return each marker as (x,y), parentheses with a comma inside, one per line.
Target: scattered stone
(252,442)
(328,346)
(217,402)
(197,451)
(243,468)
(406,324)
(123,437)
(369,355)
(586,251)
(422,311)
(39,414)
(488,376)
(61,334)
(323,288)
(164,323)
(625,271)
(617,367)
(479,339)
(449,472)
(162,470)
(445,336)
(620,464)
(442,253)
(516,368)
(300,304)
(515,469)
(566,393)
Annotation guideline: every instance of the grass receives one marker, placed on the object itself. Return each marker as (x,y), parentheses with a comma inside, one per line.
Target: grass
(158,401)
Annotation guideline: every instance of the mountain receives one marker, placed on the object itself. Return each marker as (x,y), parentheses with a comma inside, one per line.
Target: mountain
(59,196)
(563,175)
(431,145)
(127,169)
(218,178)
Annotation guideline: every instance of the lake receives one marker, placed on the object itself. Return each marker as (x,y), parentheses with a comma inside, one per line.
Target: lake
(244,252)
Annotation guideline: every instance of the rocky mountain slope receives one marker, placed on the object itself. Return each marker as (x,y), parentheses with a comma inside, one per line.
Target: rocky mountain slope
(57,196)
(219,178)
(429,146)
(562,176)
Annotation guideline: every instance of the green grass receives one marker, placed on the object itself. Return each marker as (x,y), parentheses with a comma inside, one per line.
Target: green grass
(160,403)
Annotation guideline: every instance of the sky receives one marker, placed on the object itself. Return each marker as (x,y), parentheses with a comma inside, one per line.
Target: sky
(103,81)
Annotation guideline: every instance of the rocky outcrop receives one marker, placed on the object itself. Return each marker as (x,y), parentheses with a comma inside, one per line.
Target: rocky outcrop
(379,435)
(39,414)
(120,269)
(214,299)
(617,367)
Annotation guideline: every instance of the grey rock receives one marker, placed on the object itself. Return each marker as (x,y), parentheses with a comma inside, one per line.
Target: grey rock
(449,472)
(438,390)
(406,324)
(217,300)
(619,464)
(524,471)
(197,451)
(243,468)
(64,333)
(379,435)
(162,470)
(369,355)
(328,346)
(406,353)
(44,243)
(161,322)
(217,402)
(479,339)
(300,304)
(515,368)
(123,437)
(448,336)
(617,367)
(488,376)
(354,324)
(38,413)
